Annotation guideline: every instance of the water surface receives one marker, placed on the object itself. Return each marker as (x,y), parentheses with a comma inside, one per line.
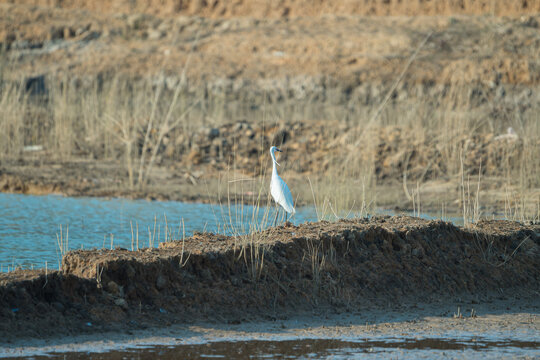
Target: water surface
(31,227)
(416,348)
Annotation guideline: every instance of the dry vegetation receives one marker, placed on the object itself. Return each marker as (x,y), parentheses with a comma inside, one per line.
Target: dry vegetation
(413,120)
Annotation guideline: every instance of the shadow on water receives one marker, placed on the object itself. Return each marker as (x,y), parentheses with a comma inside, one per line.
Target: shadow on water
(317,349)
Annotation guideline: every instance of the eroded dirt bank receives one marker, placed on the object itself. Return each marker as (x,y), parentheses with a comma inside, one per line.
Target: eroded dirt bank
(342,266)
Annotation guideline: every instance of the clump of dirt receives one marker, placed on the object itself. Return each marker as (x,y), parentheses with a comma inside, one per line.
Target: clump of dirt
(346,265)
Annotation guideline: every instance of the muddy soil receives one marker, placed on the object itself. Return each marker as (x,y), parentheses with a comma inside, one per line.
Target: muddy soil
(341,266)
(494,326)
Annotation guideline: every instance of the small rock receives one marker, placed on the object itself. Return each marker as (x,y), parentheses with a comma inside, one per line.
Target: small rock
(195,157)
(161,282)
(68,33)
(42,308)
(238,126)
(406,249)
(136,21)
(217,143)
(418,252)
(58,306)
(171,82)
(121,302)
(500,92)
(130,271)
(183,21)
(155,34)
(35,85)
(206,275)
(81,31)
(112,287)
(529,21)
(211,133)
(20,44)
(180,139)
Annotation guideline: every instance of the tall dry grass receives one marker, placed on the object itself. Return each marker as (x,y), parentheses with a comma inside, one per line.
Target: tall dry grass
(134,119)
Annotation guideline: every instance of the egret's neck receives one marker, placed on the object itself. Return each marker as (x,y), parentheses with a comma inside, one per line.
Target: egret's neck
(274,163)
(274,167)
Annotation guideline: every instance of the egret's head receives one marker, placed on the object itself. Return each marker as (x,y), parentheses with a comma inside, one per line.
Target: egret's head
(273,149)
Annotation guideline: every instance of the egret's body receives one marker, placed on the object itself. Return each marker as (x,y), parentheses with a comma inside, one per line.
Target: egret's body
(278,188)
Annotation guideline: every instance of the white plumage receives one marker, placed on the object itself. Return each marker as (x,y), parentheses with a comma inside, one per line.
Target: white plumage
(278,188)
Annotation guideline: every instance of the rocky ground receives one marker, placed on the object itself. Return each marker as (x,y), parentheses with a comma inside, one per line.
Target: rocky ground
(282,271)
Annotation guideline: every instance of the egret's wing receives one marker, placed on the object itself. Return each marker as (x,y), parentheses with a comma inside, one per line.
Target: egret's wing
(286,199)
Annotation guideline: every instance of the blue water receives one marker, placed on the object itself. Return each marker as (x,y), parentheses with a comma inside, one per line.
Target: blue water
(29,225)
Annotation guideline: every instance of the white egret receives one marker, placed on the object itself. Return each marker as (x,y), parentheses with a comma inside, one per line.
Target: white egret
(279,189)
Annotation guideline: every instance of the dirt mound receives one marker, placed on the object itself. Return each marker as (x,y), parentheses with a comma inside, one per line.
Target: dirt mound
(343,266)
(260,8)
(391,150)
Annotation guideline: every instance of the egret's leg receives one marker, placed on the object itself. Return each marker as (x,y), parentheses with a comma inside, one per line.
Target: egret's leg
(275,219)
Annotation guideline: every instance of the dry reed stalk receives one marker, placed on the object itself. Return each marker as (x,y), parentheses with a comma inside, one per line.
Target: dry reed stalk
(62,243)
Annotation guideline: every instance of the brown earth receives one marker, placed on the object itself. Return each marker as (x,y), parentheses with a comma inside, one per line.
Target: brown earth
(291,8)
(341,266)
(324,60)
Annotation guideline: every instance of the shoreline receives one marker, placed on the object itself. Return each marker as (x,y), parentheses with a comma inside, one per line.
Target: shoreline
(440,194)
(333,267)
